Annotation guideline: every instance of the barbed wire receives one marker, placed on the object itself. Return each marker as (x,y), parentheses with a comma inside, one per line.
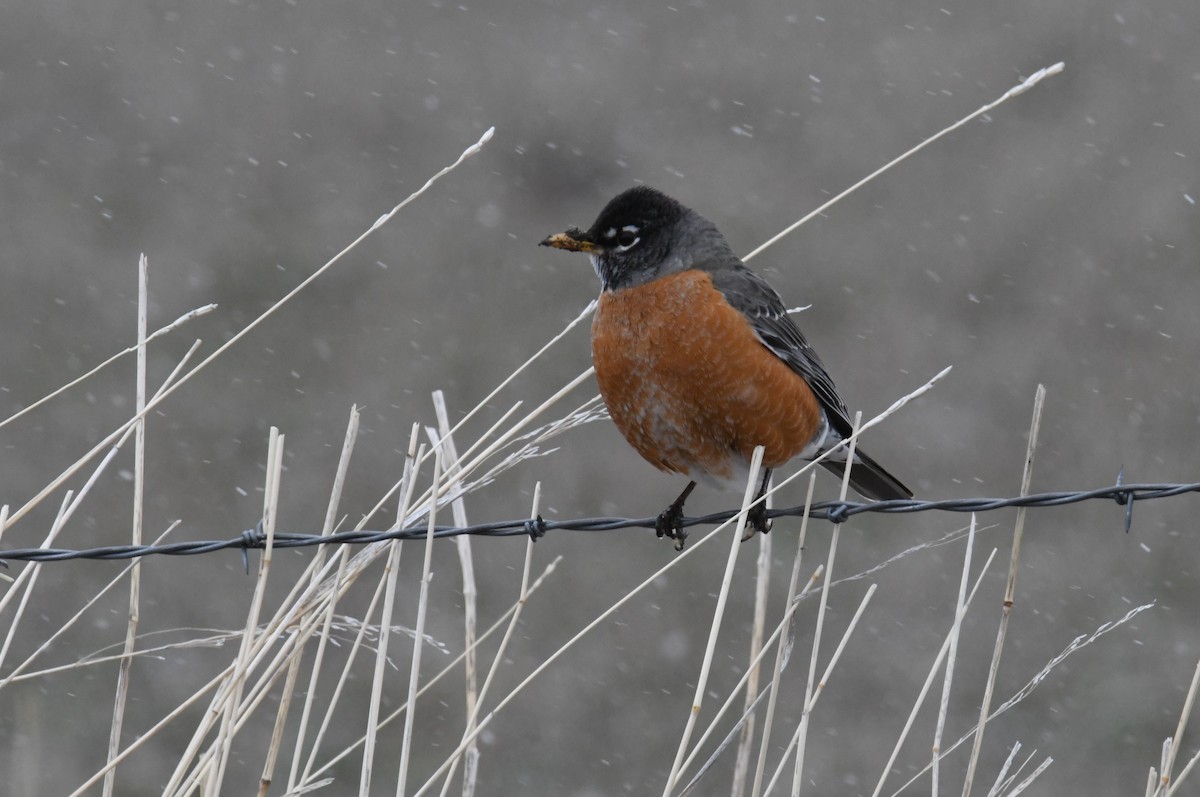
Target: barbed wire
(833,511)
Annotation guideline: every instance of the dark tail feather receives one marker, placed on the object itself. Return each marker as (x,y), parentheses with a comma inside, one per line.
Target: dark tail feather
(869,479)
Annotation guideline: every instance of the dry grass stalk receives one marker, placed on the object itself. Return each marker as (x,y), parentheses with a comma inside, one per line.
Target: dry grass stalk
(960,610)
(391,573)
(745,747)
(809,690)
(1166,785)
(782,650)
(1028,781)
(285,701)
(1002,777)
(341,682)
(735,545)
(331,513)
(224,741)
(1009,592)
(762,580)
(313,572)
(467,744)
(1183,773)
(139,487)
(414,670)
(462,545)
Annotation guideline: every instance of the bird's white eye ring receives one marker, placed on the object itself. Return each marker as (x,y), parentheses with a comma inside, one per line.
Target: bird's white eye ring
(627,238)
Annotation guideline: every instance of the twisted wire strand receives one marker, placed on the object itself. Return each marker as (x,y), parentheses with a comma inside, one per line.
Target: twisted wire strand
(833,511)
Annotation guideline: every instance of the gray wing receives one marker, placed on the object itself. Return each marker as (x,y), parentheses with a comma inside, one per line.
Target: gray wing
(764,309)
(758,301)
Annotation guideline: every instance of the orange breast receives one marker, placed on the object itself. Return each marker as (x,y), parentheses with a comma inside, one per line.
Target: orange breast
(689,384)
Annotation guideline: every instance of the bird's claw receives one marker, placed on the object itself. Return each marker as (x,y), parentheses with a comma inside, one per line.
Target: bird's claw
(757,518)
(757,522)
(669,524)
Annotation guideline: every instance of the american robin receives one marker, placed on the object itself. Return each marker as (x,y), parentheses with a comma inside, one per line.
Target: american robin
(698,360)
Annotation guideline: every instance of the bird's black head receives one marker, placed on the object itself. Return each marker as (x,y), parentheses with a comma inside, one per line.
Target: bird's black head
(640,235)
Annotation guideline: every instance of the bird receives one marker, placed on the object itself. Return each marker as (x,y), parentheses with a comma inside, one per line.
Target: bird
(699,361)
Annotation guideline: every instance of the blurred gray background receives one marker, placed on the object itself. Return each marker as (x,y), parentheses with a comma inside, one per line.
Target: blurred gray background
(241,144)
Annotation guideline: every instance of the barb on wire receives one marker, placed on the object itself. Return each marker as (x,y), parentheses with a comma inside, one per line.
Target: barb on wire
(834,511)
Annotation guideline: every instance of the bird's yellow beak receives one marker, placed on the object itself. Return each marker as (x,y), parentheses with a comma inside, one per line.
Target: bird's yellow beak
(573,240)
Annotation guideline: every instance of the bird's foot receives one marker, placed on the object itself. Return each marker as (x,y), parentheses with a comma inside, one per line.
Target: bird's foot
(756,518)
(669,522)
(757,521)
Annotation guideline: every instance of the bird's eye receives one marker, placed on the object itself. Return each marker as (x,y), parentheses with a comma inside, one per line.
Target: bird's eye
(627,237)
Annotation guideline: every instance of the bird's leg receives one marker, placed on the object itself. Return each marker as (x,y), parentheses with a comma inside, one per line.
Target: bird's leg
(669,522)
(757,516)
